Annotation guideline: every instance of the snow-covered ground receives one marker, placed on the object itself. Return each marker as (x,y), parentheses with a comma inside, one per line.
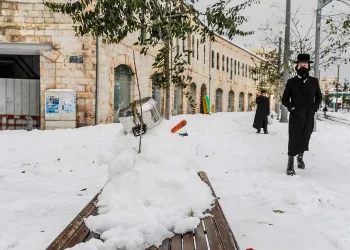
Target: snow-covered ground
(247,171)
(345,116)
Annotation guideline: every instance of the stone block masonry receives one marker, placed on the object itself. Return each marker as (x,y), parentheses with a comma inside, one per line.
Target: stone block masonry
(32,22)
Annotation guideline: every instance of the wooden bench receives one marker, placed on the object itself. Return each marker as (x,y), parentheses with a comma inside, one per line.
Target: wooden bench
(212,233)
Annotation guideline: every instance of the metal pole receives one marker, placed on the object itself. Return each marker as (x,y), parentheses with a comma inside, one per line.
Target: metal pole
(97,78)
(284,111)
(167,65)
(318,39)
(337,88)
(278,81)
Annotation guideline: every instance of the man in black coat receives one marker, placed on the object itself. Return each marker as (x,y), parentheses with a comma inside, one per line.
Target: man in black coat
(302,97)
(262,111)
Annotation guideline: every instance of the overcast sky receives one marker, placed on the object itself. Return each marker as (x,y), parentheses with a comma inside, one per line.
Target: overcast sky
(263,12)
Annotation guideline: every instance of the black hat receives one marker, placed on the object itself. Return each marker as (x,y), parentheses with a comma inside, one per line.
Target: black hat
(303,58)
(263,91)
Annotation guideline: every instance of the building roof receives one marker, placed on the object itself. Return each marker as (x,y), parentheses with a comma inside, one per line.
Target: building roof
(242,48)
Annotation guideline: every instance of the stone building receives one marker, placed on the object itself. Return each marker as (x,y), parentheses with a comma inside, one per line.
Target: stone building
(327,83)
(39,49)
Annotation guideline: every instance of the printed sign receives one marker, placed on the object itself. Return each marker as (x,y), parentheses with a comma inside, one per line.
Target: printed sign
(76,59)
(69,104)
(52,105)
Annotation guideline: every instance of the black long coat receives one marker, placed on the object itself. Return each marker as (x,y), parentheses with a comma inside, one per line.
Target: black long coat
(306,98)
(262,111)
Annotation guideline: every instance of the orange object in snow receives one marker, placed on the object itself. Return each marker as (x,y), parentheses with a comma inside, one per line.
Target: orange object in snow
(179,126)
(250,249)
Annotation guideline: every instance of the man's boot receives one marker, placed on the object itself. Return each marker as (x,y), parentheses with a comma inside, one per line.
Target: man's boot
(258,131)
(290,167)
(300,160)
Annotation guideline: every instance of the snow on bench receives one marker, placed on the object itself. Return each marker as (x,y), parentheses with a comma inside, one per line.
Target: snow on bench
(212,232)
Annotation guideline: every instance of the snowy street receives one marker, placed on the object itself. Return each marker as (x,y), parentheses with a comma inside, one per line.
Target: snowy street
(44,174)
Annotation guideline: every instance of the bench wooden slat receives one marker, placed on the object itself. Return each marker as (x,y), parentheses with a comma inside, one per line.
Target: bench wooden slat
(176,242)
(188,241)
(201,242)
(213,239)
(72,228)
(165,245)
(223,229)
(216,228)
(78,237)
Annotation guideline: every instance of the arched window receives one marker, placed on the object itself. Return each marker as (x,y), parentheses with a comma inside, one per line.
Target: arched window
(203,93)
(122,88)
(218,100)
(250,99)
(177,100)
(241,102)
(231,99)
(157,95)
(193,91)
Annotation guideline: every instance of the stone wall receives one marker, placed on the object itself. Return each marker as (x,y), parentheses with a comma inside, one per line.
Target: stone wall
(32,22)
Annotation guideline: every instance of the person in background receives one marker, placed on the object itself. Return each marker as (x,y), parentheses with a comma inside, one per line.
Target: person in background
(325,111)
(262,111)
(302,97)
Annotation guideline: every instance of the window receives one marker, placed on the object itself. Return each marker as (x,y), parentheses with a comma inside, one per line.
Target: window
(250,72)
(193,98)
(241,102)
(231,74)
(193,48)
(197,49)
(218,100)
(212,59)
(204,54)
(157,95)
(177,46)
(246,71)
(250,97)
(235,67)
(223,63)
(122,89)
(177,100)
(183,44)
(217,61)
(227,64)
(231,98)
(238,68)
(243,69)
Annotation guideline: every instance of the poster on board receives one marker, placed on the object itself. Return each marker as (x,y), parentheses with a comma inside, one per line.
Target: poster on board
(52,105)
(69,103)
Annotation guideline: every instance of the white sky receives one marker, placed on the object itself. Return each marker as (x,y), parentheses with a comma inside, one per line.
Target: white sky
(259,14)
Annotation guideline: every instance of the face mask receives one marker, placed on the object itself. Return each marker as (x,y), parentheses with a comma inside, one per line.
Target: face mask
(303,72)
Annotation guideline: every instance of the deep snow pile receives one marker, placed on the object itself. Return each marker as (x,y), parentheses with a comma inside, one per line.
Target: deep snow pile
(46,178)
(149,196)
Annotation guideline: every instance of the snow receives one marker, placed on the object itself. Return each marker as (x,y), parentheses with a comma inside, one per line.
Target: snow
(340,115)
(148,197)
